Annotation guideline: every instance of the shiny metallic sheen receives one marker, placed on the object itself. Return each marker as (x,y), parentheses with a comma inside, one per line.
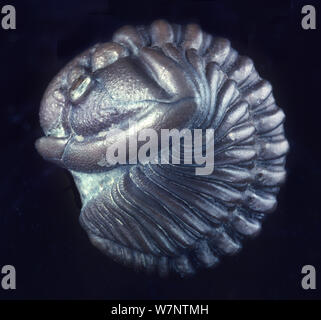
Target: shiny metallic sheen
(163,217)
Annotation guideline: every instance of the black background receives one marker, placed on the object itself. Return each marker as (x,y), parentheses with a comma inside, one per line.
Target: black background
(39,206)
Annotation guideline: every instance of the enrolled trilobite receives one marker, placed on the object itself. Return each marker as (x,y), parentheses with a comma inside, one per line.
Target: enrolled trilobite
(163,217)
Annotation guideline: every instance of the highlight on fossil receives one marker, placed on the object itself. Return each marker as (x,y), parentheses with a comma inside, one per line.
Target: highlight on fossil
(163,217)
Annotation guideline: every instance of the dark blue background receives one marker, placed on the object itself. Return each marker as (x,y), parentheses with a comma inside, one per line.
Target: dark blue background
(39,206)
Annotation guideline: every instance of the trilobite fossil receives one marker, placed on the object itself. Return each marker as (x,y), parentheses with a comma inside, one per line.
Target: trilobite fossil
(163,217)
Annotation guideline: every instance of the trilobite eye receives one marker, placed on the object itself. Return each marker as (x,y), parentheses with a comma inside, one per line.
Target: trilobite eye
(80,87)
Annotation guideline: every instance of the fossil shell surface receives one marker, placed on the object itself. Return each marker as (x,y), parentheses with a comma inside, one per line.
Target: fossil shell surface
(163,217)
